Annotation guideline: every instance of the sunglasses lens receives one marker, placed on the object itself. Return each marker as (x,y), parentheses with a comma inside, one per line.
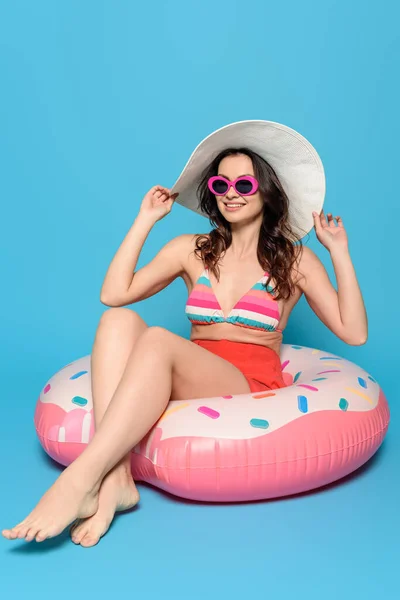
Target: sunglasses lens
(219,187)
(244,186)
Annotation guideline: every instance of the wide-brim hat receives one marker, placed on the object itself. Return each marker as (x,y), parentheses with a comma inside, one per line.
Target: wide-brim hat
(295,161)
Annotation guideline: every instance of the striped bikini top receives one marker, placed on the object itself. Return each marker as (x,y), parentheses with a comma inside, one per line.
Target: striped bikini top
(255,310)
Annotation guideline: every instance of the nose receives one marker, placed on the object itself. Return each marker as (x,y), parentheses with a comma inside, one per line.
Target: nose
(231,193)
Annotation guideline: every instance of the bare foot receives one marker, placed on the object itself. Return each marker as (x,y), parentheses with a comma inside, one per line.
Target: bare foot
(117,492)
(66,500)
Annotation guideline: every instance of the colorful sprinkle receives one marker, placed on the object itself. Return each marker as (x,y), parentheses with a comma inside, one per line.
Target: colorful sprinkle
(227,397)
(302,404)
(260,423)
(172,410)
(358,393)
(47,388)
(79,401)
(78,374)
(297,347)
(263,395)
(308,387)
(285,364)
(330,358)
(315,351)
(330,371)
(296,377)
(362,382)
(343,404)
(372,379)
(333,364)
(320,379)
(209,412)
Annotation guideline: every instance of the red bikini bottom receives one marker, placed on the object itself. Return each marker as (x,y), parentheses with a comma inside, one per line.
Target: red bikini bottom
(260,365)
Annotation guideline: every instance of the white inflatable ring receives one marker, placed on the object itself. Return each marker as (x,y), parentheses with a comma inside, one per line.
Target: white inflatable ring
(329,421)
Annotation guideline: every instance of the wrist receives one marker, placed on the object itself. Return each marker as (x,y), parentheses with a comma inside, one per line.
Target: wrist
(339,251)
(146,219)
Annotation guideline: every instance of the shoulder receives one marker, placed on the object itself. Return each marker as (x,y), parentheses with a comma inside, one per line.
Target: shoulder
(185,245)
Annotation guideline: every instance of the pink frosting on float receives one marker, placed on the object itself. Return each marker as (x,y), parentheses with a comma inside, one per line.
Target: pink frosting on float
(308,452)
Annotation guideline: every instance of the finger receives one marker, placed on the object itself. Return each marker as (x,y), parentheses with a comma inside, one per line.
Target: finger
(340,221)
(331,220)
(159,194)
(323,222)
(159,187)
(317,221)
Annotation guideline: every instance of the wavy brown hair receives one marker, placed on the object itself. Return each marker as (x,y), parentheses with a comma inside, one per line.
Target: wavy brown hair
(278,245)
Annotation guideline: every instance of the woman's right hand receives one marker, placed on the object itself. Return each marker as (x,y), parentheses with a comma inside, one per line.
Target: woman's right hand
(157,202)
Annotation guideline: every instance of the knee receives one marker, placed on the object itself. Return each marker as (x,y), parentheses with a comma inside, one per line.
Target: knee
(117,317)
(156,336)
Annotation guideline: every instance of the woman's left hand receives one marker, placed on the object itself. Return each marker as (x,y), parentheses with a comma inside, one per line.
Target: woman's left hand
(328,233)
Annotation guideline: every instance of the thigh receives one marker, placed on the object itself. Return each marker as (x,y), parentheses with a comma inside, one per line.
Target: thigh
(197,372)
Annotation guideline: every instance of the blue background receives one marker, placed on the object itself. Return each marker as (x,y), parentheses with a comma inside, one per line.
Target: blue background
(101,100)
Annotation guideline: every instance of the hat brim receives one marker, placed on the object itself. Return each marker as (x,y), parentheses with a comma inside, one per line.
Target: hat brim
(295,161)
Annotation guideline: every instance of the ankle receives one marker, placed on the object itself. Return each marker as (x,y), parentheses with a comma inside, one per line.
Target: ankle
(122,472)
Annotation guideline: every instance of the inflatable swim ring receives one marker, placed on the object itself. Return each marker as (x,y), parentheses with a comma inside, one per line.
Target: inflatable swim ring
(329,421)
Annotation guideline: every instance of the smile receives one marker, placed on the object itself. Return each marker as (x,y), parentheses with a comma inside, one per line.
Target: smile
(233,206)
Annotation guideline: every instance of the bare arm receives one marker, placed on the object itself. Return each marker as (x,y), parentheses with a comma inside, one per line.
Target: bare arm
(342,311)
(122,285)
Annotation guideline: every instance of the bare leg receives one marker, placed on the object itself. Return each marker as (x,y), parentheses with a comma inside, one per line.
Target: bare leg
(158,369)
(138,402)
(118,331)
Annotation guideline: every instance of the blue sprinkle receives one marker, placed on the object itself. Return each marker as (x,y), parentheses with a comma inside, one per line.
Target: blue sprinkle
(79,400)
(78,374)
(362,382)
(297,347)
(260,423)
(320,379)
(296,376)
(371,378)
(302,403)
(343,404)
(330,358)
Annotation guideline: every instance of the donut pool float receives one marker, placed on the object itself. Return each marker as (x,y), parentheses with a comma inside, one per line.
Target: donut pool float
(330,420)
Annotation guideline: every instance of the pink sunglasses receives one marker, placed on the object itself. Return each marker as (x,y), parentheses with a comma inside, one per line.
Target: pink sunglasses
(244,186)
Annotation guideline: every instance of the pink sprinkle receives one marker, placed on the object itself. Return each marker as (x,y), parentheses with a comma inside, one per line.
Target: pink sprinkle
(227,397)
(285,364)
(47,388)
(331,371)
(209,412)
(309,387)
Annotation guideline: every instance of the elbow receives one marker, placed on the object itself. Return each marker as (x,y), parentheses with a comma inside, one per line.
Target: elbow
(357,341)
(113,302)
(363,341)
(107,301)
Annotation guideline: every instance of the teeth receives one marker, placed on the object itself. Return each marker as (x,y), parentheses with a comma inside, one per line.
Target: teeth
(234,205)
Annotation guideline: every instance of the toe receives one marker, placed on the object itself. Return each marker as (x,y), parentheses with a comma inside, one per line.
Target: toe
(41,536)
(23,530)
(30,534)
(79,533)
(16,531)
(9,534)
(89,540)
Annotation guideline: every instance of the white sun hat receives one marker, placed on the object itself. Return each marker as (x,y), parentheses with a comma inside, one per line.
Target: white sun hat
(295,161)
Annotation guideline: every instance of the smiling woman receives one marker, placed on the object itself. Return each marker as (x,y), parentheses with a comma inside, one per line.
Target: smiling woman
(234,427)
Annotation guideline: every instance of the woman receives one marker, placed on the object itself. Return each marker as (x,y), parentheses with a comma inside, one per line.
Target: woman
(137,369)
